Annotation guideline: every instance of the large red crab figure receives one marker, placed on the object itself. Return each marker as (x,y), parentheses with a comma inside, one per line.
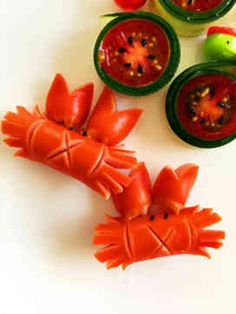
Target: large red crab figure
(163,229)
(60,139)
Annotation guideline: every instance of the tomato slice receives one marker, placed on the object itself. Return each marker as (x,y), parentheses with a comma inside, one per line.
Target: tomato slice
(135,52)
(206,106)
(130,5)
(197,5)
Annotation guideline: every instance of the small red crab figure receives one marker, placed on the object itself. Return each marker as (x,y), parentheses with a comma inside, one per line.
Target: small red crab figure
(157,224)
(61,139)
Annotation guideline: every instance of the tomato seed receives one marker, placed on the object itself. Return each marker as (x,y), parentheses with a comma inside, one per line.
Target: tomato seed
(130,40)
(151,57)
(192,110)
(212,91)
(197,98)
(127,65)
(144,42)
(221,120)
(122,50)
(221,104)
(140,69)
(205,92)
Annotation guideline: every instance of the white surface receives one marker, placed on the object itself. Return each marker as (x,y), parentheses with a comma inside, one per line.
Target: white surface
(47,219)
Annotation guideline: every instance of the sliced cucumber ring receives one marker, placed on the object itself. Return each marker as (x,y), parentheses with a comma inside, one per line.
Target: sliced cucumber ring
(136,53)
(201,104)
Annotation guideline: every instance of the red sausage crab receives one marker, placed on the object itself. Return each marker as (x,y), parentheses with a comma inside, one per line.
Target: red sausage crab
(169,228)
(60,139)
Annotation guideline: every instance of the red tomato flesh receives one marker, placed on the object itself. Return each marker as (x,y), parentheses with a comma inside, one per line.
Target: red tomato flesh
(130,5)
(197,5)
(206,106)
(135,52)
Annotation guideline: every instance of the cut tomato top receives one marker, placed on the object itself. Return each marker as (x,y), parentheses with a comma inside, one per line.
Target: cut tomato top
(221,30)
(135,52)
(206,106)
(197,5)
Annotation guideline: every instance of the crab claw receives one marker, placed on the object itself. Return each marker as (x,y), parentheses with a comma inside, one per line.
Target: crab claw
(172,188)
(108,125)
(68,109)
(135,200)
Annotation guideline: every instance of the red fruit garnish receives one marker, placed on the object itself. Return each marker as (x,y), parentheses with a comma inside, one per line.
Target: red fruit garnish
(130,5)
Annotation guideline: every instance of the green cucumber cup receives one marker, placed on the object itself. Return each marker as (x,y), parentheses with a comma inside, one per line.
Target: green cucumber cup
(136,53)
(190,23)
(201,104)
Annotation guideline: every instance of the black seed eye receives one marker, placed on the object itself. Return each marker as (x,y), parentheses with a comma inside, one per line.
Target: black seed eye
(227,42)
(152,217)
(166,215)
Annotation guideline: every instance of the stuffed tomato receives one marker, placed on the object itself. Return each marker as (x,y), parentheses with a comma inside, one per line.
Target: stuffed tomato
(191,17)
(201,104)
(136,53)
